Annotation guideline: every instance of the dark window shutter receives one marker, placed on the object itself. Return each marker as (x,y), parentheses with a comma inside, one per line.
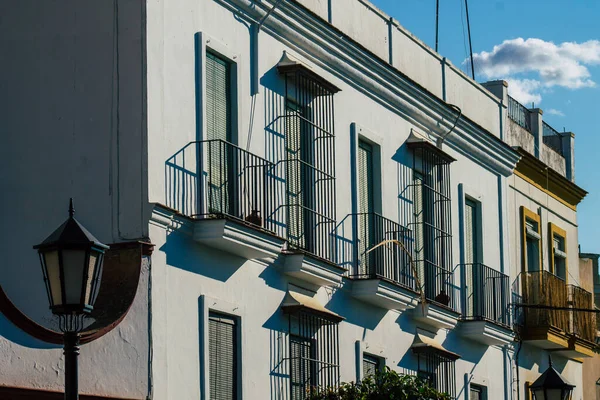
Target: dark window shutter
(365,177)
(218,98)
(371,365)
(222,357)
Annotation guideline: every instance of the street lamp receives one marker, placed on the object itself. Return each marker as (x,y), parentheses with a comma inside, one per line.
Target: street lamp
(551,386)
(71,259)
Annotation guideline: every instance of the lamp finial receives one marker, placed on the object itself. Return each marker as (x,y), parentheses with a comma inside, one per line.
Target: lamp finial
(71,209)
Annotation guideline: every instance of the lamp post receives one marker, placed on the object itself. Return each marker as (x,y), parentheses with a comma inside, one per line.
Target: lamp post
(551,386)
(71,259)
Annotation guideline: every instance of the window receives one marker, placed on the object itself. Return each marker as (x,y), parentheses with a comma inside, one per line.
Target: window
(531,240)
(313,352)
(371,364)
(558,251)
(432,225)
(472,231)
(222,343)
(438,370)
(477,392)
(218,98)
(303,366)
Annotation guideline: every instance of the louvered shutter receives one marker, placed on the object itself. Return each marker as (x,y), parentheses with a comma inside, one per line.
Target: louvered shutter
(301,367)
(365,205)
(365,177)
(222,357)
(218,97)
(295,185)
(218,126)
(371,365)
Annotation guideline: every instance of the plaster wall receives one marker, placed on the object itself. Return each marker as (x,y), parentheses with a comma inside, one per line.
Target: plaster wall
(72,105)
(183,270)
(552,159)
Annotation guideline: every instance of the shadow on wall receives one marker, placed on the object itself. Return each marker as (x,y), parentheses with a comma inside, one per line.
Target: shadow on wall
(13,334)
(469,350)
(184,253)
(354,311)
(182,180)
(404,170)
(279,359)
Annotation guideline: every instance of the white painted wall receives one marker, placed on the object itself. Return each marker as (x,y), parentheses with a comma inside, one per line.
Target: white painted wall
(73,125)
(183,270)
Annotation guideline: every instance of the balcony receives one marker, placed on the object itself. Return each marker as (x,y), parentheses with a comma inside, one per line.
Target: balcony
(485,305)
(442,296)
(547,328)
(228,193)
(382,276)
(582,324)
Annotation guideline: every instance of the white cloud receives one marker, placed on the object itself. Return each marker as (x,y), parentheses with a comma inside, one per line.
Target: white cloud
(555,65)
(525,91)
(553,111)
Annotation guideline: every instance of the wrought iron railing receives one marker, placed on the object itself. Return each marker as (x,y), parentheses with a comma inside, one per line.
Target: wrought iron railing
(236,183)
(519,113)
(583,324)
(215,178)
(305,212)
(391,261)
(486,294)
(438,285)
(545,289)
(552,138)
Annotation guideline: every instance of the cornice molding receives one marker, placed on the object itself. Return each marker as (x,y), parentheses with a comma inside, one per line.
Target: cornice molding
(332,50)
(549,181)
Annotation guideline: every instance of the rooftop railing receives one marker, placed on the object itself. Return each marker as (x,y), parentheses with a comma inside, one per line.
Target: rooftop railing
(519,113)
(552,138)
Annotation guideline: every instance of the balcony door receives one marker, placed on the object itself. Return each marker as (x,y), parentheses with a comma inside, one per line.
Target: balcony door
(221,162)
(366,232)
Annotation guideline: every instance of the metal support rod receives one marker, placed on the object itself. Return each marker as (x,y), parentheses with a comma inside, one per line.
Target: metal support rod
(264,18)
(437,23)
(543,307)
(470,44)
(71,352)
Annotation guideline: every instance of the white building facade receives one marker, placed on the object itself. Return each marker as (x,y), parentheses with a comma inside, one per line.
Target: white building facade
(265,150)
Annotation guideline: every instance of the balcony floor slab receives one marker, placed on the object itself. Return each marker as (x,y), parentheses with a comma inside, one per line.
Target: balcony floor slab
(486,332)
(244,240)
(435,316)
(384,294)
(311,269)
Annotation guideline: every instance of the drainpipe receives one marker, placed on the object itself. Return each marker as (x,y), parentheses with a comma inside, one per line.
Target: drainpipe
(440,140)
(254,30)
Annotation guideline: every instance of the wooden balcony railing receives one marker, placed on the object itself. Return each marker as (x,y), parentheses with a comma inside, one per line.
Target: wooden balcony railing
(583,324)
(547,289)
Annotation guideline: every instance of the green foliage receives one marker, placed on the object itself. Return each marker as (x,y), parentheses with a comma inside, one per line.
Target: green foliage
(385,385)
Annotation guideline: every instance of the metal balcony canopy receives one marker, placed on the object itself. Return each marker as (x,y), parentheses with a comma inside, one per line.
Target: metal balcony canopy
(294,301)
(416,142)
(424,344)
(288,65)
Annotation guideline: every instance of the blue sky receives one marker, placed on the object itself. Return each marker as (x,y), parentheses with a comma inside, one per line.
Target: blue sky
(548,50)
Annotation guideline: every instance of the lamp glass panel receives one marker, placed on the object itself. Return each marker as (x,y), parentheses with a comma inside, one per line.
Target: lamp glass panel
(554,394)
(73,267)
(91,278)
(52,264)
